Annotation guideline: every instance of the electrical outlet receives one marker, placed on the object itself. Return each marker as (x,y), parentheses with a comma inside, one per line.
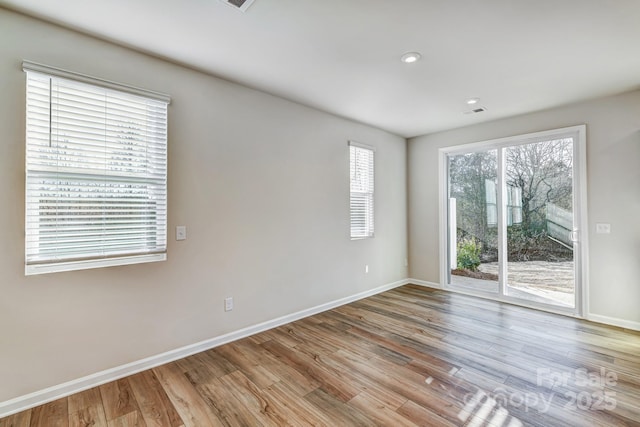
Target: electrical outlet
(228,304)
(603,228)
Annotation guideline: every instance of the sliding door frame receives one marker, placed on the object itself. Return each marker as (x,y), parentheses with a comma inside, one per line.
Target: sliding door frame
(581,252)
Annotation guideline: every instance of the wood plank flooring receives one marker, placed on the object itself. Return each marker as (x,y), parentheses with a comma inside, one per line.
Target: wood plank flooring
(407,357)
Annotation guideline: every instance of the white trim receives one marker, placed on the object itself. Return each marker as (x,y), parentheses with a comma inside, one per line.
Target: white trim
(54,267)
(470,293)
(569,312)
(59,72)
(443,206)
(605,320)
(425,283)
(49,394)
(513,140)
(580,196)
(360,145)
(614,321)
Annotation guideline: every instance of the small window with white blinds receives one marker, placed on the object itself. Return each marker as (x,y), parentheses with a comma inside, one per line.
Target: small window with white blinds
(361,171)
(96,172)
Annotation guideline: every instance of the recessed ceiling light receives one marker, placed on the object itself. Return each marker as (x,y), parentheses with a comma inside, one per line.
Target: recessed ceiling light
(410,57)
(472,101)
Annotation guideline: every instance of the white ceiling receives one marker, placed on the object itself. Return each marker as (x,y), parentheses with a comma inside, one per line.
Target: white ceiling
(343,56)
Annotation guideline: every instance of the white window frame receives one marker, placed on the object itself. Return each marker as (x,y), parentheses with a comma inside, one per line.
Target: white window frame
(581,232)
(56,258)
(363,197)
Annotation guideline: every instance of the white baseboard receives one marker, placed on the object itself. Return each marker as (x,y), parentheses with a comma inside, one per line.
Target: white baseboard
(49,394)
(425,283)
(614,321)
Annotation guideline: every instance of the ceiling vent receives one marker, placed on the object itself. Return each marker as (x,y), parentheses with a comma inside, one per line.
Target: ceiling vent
(476,110)
(242,5)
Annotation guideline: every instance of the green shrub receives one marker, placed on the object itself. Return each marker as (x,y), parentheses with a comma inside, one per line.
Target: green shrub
(468,255)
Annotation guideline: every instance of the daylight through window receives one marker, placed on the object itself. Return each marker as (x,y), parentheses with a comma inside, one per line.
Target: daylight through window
(361,201)
(96,173)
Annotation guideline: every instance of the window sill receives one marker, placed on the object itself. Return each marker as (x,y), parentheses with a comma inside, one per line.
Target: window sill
(56,267)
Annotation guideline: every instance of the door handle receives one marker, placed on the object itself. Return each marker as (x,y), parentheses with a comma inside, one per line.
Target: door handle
(573,236)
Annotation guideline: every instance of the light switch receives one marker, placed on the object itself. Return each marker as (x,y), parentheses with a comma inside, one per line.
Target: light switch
(181,232)
(603,228)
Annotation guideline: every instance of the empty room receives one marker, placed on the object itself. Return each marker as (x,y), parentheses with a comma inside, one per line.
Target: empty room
(299,212)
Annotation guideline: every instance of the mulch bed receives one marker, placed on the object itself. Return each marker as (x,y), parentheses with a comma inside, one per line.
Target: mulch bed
(475,274)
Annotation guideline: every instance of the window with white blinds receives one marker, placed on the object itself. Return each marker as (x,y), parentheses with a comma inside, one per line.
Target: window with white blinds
(361,171)
(96,172)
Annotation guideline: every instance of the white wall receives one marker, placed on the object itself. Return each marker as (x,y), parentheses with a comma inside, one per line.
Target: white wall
(613,168)
(260,182)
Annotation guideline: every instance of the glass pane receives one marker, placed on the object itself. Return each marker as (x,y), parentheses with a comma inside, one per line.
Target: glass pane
(539,209)
(473,221)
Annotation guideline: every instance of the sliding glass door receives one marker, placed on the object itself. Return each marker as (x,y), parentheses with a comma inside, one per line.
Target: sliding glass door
(512,219)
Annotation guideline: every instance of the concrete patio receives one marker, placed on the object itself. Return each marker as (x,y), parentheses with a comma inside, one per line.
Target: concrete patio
(541,281)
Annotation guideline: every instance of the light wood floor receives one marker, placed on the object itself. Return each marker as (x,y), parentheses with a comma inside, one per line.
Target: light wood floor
(410,356)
